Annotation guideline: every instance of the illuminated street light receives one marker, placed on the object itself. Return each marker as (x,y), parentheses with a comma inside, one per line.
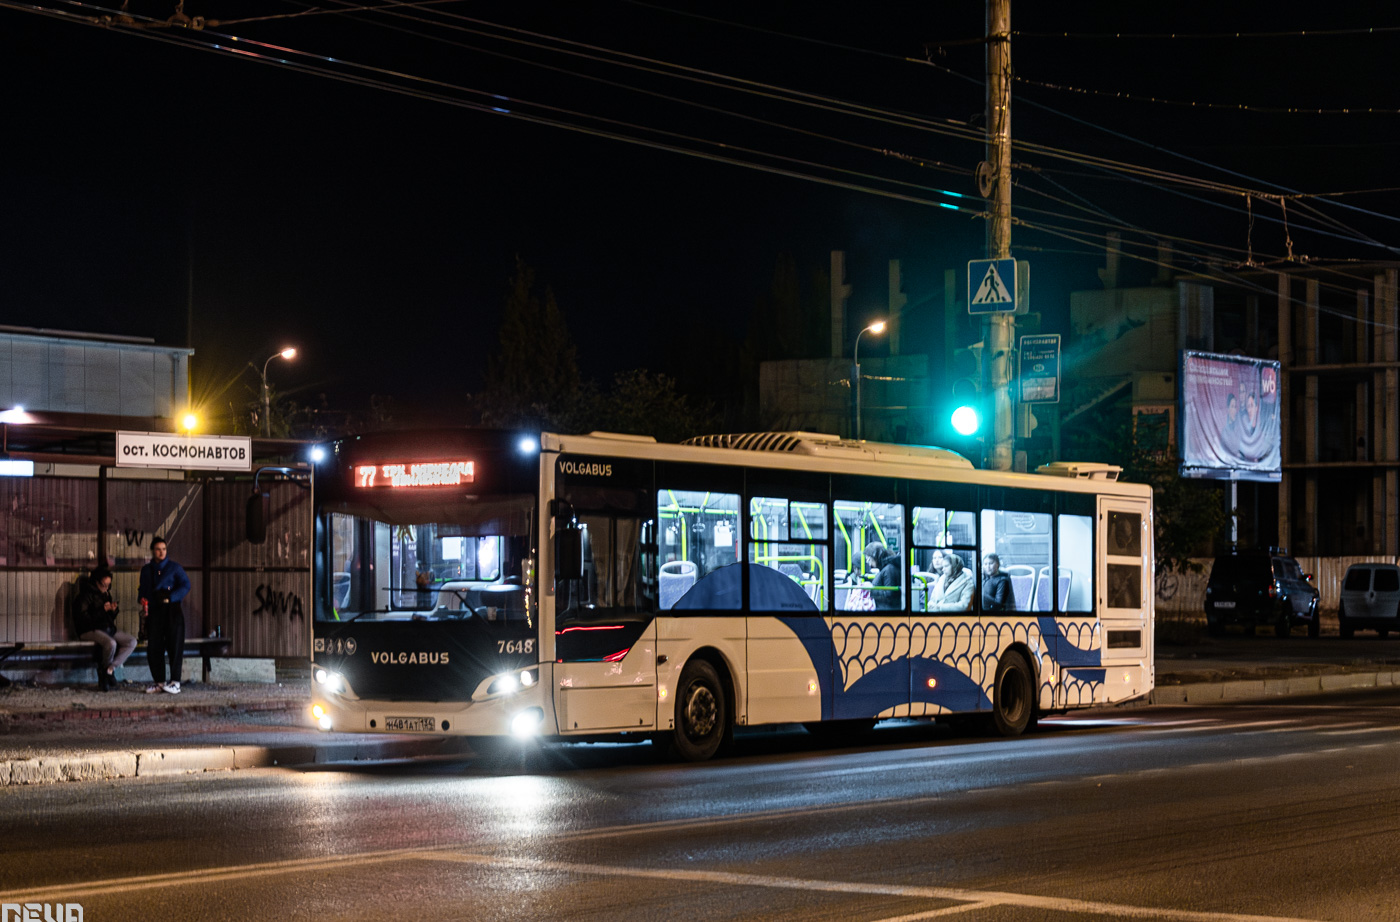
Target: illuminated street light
(877,328)
(9,467)
(287,353)
(189,422)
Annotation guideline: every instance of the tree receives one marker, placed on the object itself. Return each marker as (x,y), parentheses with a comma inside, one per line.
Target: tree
(644,403)
(533,378)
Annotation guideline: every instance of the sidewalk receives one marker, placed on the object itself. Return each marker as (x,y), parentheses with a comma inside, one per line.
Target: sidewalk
(65,733)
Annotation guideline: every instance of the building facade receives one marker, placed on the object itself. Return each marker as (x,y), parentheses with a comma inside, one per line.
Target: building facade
(1333,329)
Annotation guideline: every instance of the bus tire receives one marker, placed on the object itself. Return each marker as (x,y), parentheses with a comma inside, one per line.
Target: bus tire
(1013,695)
(702,713)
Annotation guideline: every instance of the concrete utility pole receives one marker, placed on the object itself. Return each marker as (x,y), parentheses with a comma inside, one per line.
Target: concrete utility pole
(1000,330)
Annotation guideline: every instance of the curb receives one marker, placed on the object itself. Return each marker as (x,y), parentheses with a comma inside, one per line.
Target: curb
(145,763)
(1256,689)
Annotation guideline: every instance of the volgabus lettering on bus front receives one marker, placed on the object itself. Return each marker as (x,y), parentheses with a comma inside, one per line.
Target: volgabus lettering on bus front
(586,468)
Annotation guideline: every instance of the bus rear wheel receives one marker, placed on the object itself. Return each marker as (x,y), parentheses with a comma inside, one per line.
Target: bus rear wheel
(702,713)
(1013,695)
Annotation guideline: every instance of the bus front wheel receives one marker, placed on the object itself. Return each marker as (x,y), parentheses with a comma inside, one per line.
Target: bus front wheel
(1013,696)
(702,713)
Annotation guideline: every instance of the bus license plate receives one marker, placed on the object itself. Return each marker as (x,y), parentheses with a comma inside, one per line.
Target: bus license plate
(410,724)
(1224,604)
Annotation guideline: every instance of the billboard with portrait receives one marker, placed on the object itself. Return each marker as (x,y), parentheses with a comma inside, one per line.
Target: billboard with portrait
(1229,417)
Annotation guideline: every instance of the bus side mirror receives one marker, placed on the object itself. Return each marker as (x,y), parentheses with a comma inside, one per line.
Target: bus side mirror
(255,518)
(568,552)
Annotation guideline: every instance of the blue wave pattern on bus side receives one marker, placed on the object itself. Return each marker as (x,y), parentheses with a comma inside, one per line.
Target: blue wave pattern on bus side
(894,662)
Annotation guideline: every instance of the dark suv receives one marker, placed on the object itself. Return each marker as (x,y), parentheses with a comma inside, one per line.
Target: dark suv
(1253,587)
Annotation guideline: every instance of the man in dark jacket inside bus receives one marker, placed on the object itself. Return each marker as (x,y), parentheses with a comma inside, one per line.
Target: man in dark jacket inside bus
(163,586)
(996,586)
(95,620)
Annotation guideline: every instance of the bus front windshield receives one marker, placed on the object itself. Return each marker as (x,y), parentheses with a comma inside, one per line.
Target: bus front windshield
(473,566)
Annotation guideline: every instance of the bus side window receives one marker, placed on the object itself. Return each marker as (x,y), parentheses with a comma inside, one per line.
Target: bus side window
(1019,546)
(697,534)
(879,529)
(939,529)
(789,537)
(1074,580)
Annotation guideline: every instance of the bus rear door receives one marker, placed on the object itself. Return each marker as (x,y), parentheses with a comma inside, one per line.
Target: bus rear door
(1125,595)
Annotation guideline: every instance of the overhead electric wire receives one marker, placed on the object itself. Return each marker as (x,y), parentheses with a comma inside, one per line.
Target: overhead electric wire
(1221,276)
(895,118)
(319,11)
(195,39)
(866,148)
(1193,104)
(1353,238)
(1045,150)
(316,65)
(1293,33)
(716,79)
(950,71)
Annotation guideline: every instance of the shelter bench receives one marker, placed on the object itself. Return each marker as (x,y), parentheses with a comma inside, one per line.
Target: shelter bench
(81,652)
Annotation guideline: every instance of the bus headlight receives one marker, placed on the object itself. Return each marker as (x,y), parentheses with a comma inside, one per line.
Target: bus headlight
(512,682)
(527,722)
(330,681)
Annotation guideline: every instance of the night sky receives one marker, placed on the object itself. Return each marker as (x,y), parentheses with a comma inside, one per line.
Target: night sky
(377,232)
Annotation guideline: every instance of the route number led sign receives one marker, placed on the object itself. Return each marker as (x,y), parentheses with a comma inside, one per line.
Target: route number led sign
(415,474)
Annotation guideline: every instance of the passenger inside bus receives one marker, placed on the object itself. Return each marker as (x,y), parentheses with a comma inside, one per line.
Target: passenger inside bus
(868,541)
(951,588)
(996,586)
(884,564)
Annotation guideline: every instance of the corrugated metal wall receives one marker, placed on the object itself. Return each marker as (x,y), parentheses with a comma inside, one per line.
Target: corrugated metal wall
(139,510)
(48,522)
(257,594)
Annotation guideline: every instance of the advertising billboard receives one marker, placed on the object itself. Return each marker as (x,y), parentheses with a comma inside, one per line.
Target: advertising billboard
(1229,417)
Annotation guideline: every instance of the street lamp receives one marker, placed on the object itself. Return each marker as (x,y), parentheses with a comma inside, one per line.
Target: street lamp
(287,353)
(15,416)
(877,328)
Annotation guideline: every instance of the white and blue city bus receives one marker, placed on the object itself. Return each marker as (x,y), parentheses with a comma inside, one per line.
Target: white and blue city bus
(488,584)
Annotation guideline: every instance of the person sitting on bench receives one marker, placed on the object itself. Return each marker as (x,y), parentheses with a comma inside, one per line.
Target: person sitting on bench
(95,618)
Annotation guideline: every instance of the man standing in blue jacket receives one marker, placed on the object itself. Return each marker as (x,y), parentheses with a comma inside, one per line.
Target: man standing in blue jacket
(163,586)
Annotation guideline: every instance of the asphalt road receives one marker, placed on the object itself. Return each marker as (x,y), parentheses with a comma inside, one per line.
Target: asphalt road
(1285,810)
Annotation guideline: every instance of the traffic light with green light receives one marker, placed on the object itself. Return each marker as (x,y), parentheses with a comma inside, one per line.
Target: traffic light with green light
(966,417)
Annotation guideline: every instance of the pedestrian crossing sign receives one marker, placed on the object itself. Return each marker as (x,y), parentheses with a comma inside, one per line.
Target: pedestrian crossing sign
(992,286)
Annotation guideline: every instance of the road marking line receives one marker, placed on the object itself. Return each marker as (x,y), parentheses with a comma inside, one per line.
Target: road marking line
(960,894)
(731,819)
(1359,730)
(77,890)
(935,913)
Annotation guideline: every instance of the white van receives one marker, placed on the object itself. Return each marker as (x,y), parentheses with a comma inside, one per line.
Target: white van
(1370,598)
